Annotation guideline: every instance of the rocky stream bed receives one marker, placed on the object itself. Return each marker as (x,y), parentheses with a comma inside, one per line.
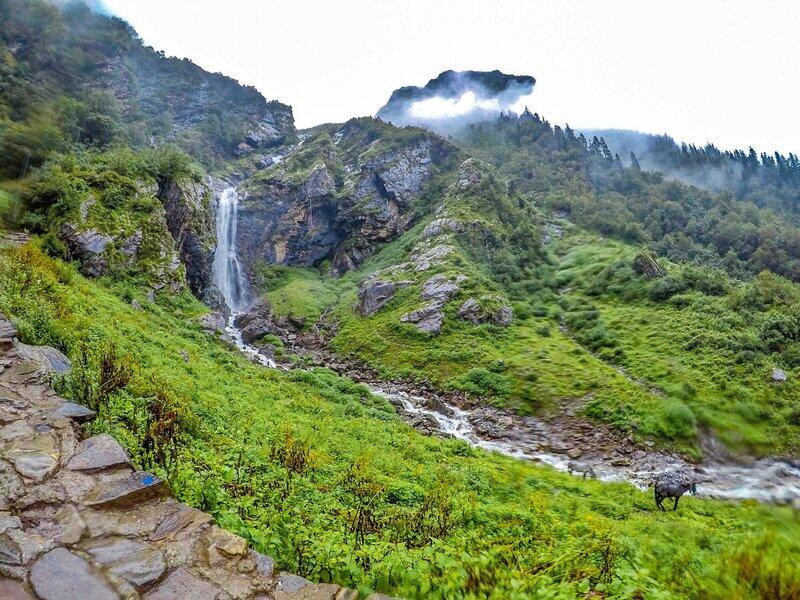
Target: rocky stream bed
(562,439)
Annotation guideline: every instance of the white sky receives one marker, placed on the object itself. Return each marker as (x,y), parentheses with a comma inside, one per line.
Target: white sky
(706,70)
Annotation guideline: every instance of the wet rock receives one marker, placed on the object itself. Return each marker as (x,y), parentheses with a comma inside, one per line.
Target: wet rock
(135,488)
(473,311)
(182,585)
(427,319)
(213,322)
(439,288)
(62,575)
(97,453)
(189,216)
(778,375)
(373,295)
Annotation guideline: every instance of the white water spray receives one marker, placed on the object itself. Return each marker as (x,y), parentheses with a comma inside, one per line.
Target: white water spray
(227,271)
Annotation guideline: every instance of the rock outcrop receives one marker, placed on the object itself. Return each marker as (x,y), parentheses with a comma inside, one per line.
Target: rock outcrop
(373,294)
(486,311)
(427,319)
(338,197)
(190,219)
(79,522)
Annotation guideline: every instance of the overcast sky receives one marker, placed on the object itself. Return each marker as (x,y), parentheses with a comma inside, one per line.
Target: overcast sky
(721,71)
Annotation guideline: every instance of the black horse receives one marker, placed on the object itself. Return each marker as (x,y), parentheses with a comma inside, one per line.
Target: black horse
(672,489)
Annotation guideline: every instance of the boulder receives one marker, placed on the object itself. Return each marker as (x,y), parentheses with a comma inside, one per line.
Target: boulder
(97,453)
(137,562)
(439,288)
(62,575)
(440,226)
(475,313)
(13,590)
(426,259)
(779,375)
(373,295)
(7,333)
(86,246)
(70,410)
(427,319)
(51,359)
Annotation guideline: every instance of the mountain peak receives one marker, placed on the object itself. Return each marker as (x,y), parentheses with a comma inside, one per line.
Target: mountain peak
(456,98)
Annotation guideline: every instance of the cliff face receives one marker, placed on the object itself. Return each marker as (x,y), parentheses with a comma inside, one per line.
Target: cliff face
(188,105)
(341,194)
(189,218)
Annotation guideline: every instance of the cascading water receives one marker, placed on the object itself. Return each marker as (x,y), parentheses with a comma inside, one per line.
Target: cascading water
(227,271)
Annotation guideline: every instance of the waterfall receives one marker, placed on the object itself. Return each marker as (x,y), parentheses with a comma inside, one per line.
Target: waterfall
(227,271)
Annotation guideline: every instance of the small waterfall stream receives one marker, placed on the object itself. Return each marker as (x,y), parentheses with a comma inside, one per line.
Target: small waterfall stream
(226,271)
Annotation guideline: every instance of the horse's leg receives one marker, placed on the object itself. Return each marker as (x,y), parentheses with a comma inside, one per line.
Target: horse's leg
(676,503)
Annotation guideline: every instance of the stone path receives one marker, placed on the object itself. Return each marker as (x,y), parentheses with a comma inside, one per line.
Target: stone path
(78,522)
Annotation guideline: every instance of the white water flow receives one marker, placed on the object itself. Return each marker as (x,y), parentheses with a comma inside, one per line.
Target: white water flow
(228,275)
(227,271)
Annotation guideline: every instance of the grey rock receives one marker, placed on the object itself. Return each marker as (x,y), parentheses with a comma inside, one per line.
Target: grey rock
(373,295)
(13,590)
(97,453)
(473,312)
(265,565)
(431,257)
(441,226)
(189,217)
(779,375)
(130,246)
(86,246)
(440,288)
(34,457)
(135,561)
(182,585)
(7,333)
(135,488)
(289,583)
(51,359)
(319,183)
(62,575)
(78,413)
(427,319)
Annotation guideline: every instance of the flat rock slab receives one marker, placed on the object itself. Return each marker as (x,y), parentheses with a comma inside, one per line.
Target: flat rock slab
(135,561)
(182,585)
(133,489)
(98,452)
(70,410)
(62,575)
(179,524)
(13,590)
(34,457)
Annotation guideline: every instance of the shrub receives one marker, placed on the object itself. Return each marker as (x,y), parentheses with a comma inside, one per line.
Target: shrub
(482,382)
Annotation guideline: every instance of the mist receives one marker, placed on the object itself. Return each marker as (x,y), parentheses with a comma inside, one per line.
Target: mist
(454,100)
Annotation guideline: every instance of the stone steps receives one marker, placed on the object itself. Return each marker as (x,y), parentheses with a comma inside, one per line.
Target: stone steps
(79,522)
